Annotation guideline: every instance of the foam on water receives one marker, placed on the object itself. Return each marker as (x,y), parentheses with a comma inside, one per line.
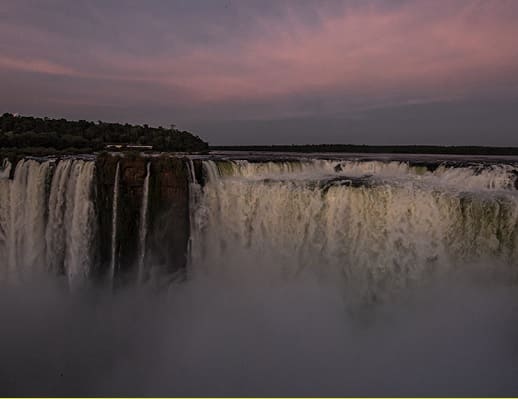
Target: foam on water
(376,238)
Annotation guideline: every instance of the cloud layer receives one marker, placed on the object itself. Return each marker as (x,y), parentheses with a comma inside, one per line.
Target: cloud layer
(251,60)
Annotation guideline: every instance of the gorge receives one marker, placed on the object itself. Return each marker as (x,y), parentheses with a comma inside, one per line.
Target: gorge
(316,272)
(373,223)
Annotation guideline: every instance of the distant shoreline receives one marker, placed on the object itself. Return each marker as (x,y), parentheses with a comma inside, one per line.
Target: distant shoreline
(374,149)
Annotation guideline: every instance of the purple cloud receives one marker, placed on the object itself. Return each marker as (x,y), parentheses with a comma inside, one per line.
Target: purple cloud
(359,54)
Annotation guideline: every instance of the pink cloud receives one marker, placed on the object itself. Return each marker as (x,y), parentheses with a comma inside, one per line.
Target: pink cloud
(417,48)
(36,65)
(361,52)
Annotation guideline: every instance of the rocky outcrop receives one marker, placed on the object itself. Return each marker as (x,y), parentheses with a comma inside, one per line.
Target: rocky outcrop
(105,167)
(198,171)
(168,230)
(168,215)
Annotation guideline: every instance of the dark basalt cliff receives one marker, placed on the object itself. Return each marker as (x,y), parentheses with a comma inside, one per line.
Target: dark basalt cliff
(167,220)
(168,230)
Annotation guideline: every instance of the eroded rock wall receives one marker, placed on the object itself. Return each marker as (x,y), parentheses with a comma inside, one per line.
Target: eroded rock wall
(167,222)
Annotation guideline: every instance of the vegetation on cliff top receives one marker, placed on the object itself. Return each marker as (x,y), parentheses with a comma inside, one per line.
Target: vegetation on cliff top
(45,136)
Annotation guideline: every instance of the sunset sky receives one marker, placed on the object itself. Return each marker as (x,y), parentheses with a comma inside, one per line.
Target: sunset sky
(270,71)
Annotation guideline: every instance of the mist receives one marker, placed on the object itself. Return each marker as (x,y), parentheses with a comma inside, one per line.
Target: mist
(260,335)
(403,285)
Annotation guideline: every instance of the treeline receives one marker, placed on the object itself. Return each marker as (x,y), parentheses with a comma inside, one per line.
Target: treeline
(44,136)
(390,149)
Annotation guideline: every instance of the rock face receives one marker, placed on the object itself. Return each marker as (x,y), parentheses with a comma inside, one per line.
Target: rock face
(198,171)
(167,228)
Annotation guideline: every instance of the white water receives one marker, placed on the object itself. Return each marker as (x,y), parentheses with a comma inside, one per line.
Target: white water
(398,225)
(475,177)
(55,233)
(46,219)
(80,218)
(374,240)
(195,192)
(5,169)
(113,258)
(143,224)
(192,172)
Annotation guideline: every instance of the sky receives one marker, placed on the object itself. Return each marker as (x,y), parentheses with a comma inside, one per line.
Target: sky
(270,71)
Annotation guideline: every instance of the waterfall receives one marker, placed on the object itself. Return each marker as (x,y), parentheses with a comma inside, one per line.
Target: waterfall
(196,212)
(393,228)
(24,218)
(192,171)
(211,170)
(46,219)
(113,258)
(374,226)
(5,169)
(55,234)
(79,216)
(475,176)
(143,224)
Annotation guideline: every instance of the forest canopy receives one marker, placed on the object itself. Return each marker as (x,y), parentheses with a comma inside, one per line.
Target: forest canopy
(29,134)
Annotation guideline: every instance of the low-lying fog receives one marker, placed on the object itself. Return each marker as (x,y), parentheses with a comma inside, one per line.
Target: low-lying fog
(248,334)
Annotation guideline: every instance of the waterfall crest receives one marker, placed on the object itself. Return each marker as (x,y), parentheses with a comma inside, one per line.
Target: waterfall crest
(460,176)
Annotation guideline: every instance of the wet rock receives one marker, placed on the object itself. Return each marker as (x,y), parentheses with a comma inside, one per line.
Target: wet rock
(168,214)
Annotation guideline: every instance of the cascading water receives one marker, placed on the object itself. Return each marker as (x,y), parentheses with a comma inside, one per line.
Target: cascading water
(46,219)
(287,255)
(64,217)
(28,197)
(55,233)
(5,169)
(143,224)
(192,171)
(79,217)
(376,226)
(195,192)
(113,257)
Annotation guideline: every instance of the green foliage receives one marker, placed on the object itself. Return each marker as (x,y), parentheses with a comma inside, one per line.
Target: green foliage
(21,133)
